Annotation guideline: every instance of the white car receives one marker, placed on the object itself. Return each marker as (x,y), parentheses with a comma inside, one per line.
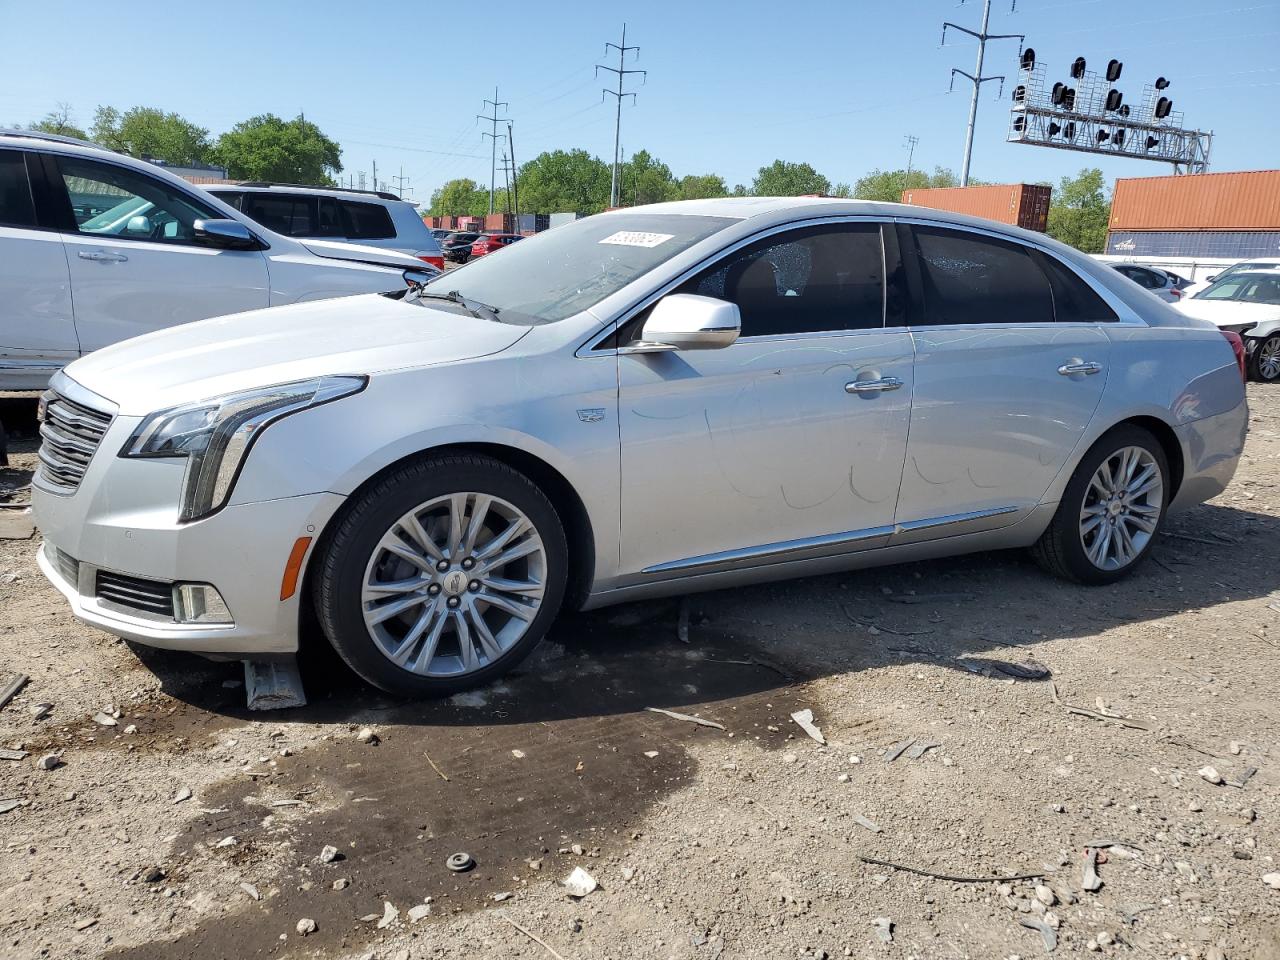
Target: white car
(97,247)
(1259,263)
(1165,285)
(652,401)
(372,218)
(1245,302)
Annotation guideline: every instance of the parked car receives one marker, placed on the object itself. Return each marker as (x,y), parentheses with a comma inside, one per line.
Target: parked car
(440,233)
(489,242)
(97,247)
(1260,263)
(370,217)
(457,246)
(1246,302)
(646,402)
(1165,285)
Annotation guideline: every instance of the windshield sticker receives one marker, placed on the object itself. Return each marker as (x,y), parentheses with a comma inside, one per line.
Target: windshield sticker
(637,238)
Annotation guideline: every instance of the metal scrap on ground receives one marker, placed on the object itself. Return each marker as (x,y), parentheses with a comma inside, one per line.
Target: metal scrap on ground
(947,876)
(1046,932)
(10,689)
(273,684)
(686,717)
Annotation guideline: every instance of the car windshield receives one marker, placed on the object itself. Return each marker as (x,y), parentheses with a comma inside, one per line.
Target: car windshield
(1244,288)
(570,268)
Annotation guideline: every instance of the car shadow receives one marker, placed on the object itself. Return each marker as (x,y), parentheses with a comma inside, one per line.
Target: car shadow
(957,612)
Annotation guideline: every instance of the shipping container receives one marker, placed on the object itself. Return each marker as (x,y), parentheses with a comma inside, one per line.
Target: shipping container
(1020,204)
(1243,200)
(558,219)
(1231,244)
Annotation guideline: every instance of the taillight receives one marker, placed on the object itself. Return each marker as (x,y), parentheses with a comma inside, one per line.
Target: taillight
(437,262)
(1177,292)
(1237,347)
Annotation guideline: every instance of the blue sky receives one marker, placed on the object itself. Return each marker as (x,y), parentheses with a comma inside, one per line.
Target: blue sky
(732,84)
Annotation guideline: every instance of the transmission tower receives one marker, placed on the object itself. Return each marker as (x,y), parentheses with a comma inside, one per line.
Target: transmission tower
(497,105)
(976,78)
(619,94)
(910,142)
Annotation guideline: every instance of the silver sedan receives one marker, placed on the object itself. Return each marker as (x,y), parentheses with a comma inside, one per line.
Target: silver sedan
(646,402)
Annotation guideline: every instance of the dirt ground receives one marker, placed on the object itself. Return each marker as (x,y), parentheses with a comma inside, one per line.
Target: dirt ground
(193,829)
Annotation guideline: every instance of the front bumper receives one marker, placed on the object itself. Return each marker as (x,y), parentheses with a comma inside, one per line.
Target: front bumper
(241,550)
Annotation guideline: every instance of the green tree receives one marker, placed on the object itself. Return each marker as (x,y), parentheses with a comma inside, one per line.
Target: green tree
(560,181)
(645,179)
(1080,211)
(58,122)
(701,187)
(459,198)
(147,131)
(784,179)
(888,185)
(286,151)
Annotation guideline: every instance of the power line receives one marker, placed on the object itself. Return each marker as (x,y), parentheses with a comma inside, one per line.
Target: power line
(622,72)
(976,78)
(493,146)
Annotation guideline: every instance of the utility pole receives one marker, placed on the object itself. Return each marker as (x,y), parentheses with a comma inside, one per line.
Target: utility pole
(615,187)
(515,186)
(375,176)
(493,151)
(401,182)
(976,78)
(910,142)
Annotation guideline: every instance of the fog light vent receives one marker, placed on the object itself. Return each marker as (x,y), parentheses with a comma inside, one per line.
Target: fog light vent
(199,603)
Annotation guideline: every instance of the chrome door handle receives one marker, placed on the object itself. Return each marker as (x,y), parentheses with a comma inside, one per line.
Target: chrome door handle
(873,386)
(1087,367)
(102,256)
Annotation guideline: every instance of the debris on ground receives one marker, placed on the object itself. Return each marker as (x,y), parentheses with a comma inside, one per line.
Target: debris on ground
(11,689)
(579,883)
(390,914)
(460,862)
(183,794)
(686,718)
(532,936)
(948,876)
(305,926)
(921,748)
(105,719)
(329,853)
(1210,775)
(1047,933)
(884,929)
(1272,880)
(804,720)
(250,891)
(897,750)
(273,684)
(50,761)
(419,912)
(366,735)
(1089,879)
(862,821)
(13,754)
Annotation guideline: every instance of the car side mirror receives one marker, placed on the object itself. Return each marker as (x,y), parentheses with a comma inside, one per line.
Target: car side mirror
(686,321)
(139,226)
(228,234)
(1211,279)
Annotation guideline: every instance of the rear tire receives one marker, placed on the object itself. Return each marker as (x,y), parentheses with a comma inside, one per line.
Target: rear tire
(1111,510)
(442,576)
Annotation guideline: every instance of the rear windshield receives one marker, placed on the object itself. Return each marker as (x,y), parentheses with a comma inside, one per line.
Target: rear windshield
(570,268)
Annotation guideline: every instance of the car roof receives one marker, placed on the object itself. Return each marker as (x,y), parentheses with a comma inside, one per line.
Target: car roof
(341,193)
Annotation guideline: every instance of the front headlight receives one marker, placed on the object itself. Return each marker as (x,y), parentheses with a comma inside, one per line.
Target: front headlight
(215,435)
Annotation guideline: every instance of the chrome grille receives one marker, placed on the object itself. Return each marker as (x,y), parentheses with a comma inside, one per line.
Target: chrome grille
(69,436)
(136,594)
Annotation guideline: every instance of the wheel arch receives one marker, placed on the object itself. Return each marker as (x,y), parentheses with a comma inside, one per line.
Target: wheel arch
(1169,443)
(573,513)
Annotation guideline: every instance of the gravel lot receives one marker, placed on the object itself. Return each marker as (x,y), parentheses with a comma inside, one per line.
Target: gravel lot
(191,829)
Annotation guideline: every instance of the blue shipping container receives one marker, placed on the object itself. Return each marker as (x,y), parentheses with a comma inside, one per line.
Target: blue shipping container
(1240,244)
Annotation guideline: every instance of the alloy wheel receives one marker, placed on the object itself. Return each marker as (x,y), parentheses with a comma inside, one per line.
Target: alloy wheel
(1121,508)
(454,584)
(1269,358)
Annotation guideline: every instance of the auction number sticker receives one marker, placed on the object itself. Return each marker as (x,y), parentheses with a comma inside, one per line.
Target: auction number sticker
(637,238)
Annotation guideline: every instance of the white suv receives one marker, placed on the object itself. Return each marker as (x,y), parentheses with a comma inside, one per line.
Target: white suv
(373,218)
(97,247)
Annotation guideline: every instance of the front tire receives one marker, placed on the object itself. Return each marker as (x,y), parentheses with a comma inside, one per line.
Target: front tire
(1110,511)
(1264,360)
(442,576)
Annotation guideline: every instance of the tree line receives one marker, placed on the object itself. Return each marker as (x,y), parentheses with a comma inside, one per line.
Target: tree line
(267,147)
(264,147)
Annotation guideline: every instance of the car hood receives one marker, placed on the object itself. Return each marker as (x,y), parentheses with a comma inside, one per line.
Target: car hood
(350,335)
(379,256)
(1228,313)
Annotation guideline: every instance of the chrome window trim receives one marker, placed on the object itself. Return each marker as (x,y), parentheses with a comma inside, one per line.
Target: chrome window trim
(591,346)
(1125,315)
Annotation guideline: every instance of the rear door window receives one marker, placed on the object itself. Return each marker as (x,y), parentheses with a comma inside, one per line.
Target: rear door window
(970,278)
(289,213)
(233,200)
(17,209)
(1074,301)
(330,218)
(367,221)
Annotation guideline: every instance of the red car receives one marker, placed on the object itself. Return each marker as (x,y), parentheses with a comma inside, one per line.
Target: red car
(492,242)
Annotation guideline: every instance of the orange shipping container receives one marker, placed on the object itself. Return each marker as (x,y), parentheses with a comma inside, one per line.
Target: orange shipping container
(1021,204)
(1245,200)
